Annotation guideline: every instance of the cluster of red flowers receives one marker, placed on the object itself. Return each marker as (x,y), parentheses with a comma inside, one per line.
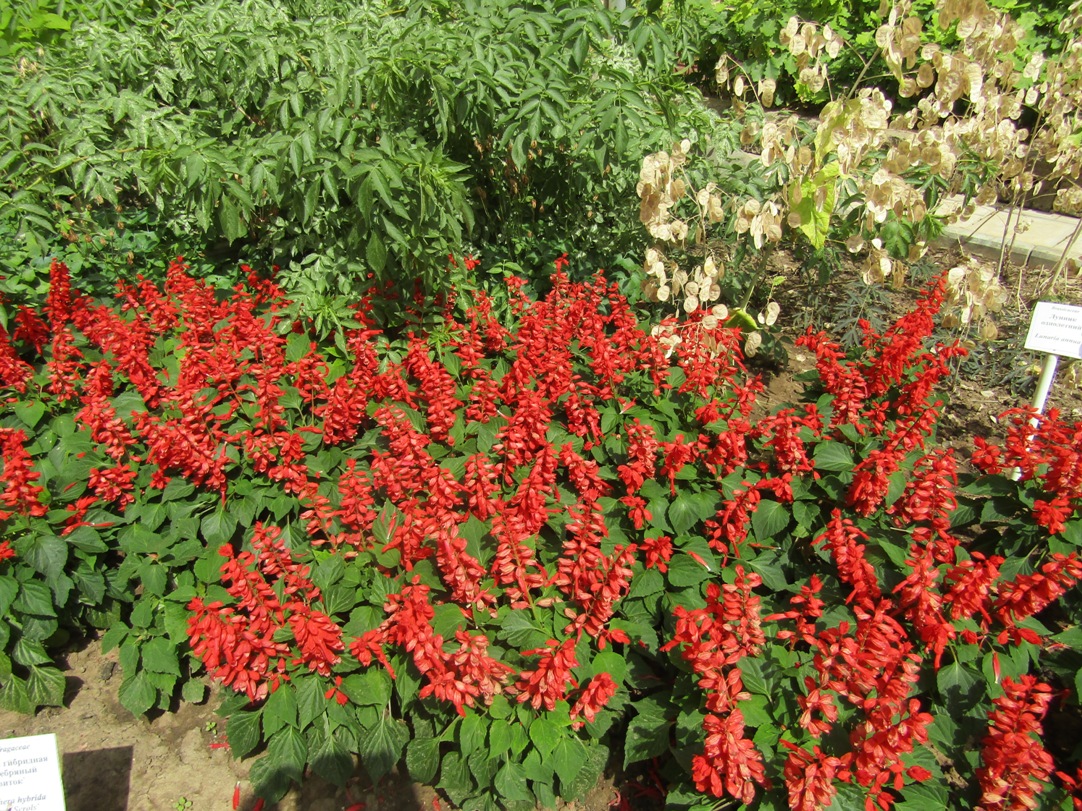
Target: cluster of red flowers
(245,645)
(21,496)
(460,676)
(713,640)
(1016,765)
(1044,449)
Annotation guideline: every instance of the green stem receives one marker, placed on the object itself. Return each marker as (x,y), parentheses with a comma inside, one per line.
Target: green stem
(758,278)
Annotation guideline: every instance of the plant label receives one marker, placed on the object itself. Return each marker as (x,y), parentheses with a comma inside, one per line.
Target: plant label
(30,774)
(1056,329)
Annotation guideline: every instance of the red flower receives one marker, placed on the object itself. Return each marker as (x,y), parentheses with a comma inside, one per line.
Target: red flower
(318,637)
(14,371)
(809,777)
(1053,515)
(30,329)
(595,695)
(1028,594)
(20,494)
(843,540)
(113,484)
(657,552)
(1016,765)
(549,682)
(730,763)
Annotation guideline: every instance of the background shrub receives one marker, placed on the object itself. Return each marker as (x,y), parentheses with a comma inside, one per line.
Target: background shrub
(337,140)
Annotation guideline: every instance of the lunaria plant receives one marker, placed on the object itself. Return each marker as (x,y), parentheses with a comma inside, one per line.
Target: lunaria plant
(865,175)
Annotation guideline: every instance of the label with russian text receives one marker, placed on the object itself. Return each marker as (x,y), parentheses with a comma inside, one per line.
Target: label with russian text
(30,774)
(1056,329)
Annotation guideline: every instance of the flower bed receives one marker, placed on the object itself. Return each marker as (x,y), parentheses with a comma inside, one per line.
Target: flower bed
(505,552)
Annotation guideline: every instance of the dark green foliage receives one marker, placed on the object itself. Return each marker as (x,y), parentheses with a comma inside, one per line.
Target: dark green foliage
(339,140)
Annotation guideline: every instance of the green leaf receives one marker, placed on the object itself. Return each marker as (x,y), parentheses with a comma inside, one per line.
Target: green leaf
(816,204)
(376,253)
(29,411)
(372,688)
(568,758)
(471,734)
(848,798)
(956,681)
(46,553)
(242,731)
(279,711)
(756,712)
(646,583)
(154,578)
(499,739)
(311,702)
(834,457)
(288,750)
(455,777)
(597,758)
(219,526)
(768,568)
(545,735)
(1072,533)
(381,746)
(160,656)
(193,691)
(331,759)
(423,759)
(229,219)
(682,514)
(137,694)
(517,629)
(268,780)
(752,675)
(612,663)
(87,539)
(29,652)
(897,236)
(647,737)
(9,587)
(45,687)
(14,697)
(928,796)
(510,782)
(768,520)
(685,571)
(34,598)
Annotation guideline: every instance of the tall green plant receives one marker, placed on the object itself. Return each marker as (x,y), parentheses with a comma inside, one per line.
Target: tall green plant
(341,140)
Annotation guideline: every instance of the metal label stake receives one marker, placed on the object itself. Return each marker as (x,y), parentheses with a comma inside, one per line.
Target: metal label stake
(1056,330)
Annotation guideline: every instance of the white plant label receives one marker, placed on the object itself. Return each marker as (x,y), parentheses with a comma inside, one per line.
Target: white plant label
(1056,329)
(30,774)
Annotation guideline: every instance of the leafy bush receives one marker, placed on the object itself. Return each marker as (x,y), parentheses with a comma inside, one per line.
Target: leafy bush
(508,552)
(340,140)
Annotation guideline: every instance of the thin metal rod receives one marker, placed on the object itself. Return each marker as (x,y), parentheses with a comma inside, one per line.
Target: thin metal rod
(1040,397)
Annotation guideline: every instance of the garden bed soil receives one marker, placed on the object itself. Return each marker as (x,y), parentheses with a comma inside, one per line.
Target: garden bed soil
(174,761)
(113,761)
(179,761)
